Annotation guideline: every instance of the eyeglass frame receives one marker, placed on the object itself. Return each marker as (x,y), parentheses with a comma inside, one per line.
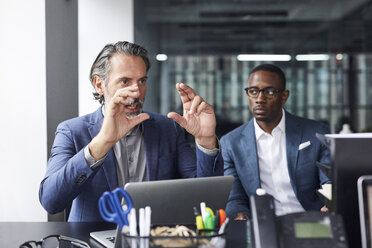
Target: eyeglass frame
(276,91)
(59,237)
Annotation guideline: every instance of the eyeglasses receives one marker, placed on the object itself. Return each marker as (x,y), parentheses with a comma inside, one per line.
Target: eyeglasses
(268,92)
(54,241)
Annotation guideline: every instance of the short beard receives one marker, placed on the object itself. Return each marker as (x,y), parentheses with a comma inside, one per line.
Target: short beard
(262,119)
(134,114)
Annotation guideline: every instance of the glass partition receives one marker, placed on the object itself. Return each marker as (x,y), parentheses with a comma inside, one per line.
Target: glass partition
(202,41)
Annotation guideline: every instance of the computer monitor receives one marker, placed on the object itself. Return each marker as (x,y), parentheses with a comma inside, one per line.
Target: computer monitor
(365,209)
(351,157)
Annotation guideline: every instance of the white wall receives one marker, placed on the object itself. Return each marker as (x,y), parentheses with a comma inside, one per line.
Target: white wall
(23,146)
(100,22)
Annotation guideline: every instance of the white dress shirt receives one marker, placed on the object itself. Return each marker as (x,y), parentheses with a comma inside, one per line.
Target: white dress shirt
(273,166)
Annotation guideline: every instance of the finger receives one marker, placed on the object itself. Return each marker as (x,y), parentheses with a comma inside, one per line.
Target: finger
(187,89)
(138,119)
(128,92)
(195,104)
(324,209)
(118,100)
(125,96)
(241,216)
(203,106)
(177,118)
(186,93)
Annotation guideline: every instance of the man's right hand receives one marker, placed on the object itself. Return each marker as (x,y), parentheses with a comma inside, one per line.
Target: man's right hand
(115,124)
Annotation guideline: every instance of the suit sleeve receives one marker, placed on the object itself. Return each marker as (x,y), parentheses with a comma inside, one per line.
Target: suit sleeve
(67,171)
(238,201)
(324,158)
(208,165)
(195,165)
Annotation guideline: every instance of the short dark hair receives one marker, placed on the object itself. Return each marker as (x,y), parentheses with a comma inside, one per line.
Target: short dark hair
(271,68)
(101,65)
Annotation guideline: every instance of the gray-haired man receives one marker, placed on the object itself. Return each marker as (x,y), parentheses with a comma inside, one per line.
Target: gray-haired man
(120,143)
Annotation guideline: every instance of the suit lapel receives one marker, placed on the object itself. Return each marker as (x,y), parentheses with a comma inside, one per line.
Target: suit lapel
(293,140)
(109,165)
(151,139)
(249,147)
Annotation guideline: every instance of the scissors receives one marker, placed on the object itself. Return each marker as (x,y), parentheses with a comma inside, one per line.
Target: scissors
(115,212)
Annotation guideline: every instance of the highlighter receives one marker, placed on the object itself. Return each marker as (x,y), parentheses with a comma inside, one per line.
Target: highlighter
(222,215)
(208,209)
(198,219)
(209,221)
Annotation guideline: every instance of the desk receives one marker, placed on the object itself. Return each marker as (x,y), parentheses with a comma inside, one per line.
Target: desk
(12,234)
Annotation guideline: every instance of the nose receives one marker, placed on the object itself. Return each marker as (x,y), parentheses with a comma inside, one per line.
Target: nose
(135,83)
(261,97)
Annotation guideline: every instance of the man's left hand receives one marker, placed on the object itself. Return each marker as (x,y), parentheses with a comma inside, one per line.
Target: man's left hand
(198,117)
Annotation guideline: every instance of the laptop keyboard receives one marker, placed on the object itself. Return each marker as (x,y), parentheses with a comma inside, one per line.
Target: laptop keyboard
(111,239)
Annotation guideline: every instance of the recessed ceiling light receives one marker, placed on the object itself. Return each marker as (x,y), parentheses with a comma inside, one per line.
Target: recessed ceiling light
(312,57)
(161,57)
(264,57)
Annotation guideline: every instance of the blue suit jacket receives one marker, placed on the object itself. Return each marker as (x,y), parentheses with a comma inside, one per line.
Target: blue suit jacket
(69,178)
(239,152)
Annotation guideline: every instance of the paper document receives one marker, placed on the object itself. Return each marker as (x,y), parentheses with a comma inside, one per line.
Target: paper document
(326,190)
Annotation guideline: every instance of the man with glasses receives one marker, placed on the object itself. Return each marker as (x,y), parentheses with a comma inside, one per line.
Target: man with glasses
(276,150)
(120,143)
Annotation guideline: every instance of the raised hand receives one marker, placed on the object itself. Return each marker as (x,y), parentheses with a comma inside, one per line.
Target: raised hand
(198,117)
(117,121)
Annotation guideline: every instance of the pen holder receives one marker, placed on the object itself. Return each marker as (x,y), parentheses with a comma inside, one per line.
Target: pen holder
(204,238)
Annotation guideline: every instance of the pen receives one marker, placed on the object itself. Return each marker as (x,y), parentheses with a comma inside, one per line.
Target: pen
(142,221)
(132,222)
(223,226)
(147,220)
(203,211)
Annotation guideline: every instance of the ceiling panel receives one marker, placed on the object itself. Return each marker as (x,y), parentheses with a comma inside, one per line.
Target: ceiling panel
(258,26)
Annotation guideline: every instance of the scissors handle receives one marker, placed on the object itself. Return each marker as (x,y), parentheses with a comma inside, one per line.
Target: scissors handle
(110,207)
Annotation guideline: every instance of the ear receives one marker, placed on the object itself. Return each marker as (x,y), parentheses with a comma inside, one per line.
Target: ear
(99,85)
(285,95)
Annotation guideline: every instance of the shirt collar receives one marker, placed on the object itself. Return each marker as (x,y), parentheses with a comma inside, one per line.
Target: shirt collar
(280,127)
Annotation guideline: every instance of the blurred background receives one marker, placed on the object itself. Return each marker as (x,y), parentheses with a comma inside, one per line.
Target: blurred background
(326,48)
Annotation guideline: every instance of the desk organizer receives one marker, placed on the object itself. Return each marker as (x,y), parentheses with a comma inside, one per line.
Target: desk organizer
(210,239)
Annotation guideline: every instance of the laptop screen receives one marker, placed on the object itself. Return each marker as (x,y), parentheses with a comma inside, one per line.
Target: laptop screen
(365,209)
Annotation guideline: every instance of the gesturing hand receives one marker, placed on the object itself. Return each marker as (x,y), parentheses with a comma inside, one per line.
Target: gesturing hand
(116,123)
(198,117)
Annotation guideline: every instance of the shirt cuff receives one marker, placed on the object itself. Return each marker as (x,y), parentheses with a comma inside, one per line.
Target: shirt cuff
(210,152)
(90,160)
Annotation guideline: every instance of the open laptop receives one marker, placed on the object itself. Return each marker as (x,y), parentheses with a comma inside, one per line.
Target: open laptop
(365,209)
(172,201)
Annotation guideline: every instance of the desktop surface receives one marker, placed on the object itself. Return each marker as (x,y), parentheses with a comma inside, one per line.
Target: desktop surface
(13,234)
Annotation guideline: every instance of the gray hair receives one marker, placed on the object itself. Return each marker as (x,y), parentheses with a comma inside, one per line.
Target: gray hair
(101,66)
